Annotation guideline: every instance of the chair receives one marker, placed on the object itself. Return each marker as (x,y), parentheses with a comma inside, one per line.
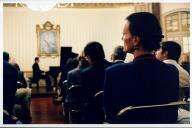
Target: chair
(184,93)
(19,84)
(149,114)
(98,105)
(75,103)
(9,119)
(93,111)
(63,92)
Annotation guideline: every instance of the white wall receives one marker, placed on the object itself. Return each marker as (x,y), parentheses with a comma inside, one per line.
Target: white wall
(78,26)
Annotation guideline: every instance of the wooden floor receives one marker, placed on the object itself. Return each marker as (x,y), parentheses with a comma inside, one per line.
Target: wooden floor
(43,111)
(42,92)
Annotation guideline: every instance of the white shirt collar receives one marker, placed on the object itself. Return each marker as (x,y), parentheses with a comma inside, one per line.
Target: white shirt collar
(170,61)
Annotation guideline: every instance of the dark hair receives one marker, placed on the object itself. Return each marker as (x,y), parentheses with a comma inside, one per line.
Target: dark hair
(36,58)
(173,49)
(147,27)
(83,63)
(119,54)
(5,56)
(95,51)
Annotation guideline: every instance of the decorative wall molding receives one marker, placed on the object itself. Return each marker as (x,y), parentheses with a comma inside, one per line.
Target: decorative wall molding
(79,5)
(143,7)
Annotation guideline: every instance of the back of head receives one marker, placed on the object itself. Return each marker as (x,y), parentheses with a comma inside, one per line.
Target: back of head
(71,64)
(119,54)
(83,63)
(173,50)
(6,56)
(146,26)
(95,51)
(36,58)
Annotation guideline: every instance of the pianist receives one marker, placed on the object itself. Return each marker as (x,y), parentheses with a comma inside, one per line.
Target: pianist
(39,74)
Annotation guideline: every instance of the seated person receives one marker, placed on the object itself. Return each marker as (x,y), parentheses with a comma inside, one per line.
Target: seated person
(92,79)
(146,80)
(118,55)
(169,53)
(70,65)
(73,76)
(184,62)
(39,74)
(21,79)
(10,75)
(23,98)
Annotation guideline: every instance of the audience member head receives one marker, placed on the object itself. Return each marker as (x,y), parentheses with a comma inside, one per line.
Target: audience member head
(36,59)
(13,62)
(118,54)
(184,58)
(169,50)
(83,63)
(142,31)
(6,56)
(94,52)
(16,66)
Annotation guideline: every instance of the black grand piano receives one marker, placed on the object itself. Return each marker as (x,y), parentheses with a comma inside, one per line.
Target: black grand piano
(66,53)
(54,72)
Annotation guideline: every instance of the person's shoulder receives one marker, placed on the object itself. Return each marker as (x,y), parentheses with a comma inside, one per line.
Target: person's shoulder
(9,67)
(171,68)
(34,64)
(86,70)
(107,63)
(167,66)
(71,72)
(120,67)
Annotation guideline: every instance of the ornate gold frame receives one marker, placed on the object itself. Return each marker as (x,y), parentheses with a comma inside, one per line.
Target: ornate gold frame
(48,27)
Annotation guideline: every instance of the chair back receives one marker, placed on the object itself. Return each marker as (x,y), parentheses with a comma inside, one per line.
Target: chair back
(76,97)
(9,119)
(98,106)
(184,93)
(98,99)
(149,114)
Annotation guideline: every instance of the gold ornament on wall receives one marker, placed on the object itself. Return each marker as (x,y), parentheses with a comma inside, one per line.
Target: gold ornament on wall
(48,39)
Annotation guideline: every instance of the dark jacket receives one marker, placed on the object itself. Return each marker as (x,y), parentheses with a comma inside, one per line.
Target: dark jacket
(71,64)
(10,75)
(36,71)
(93,78)
(92,82)
(22,80)
(145,81)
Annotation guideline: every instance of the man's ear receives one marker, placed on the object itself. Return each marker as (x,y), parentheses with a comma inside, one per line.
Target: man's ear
(165,53)
(136,41)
